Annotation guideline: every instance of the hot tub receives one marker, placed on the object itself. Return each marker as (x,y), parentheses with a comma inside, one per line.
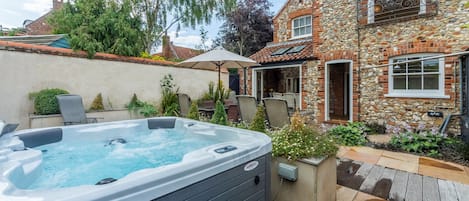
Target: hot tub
(149,159)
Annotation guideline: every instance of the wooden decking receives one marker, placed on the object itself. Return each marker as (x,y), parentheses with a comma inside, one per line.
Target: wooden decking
(397,185)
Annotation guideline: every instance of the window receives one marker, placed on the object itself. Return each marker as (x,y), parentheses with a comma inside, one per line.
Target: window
(302,27)
(381,11)
(416,79)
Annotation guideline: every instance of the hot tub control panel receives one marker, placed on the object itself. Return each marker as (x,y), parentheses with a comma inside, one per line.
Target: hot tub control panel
(225,149)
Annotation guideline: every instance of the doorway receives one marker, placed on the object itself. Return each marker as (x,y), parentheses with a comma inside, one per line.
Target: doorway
(338,91)
(465,98)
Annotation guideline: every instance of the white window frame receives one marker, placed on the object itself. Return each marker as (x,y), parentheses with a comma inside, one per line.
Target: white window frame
(293,27)
(371,10)
(413,93)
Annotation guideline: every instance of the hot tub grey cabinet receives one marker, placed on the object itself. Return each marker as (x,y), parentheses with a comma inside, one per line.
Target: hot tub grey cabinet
(233,184)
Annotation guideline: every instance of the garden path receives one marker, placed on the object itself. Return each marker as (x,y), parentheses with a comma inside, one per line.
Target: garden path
(400,176)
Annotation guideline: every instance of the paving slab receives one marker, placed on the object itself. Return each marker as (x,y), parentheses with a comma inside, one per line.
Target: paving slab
(370,181)
(366,197)
(345,194)
(414,188)
(447,190)
(399,186)
(430,190)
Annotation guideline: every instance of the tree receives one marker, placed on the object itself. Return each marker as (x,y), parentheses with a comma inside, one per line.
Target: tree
(160,15)
(219,116)
(100,25)
(247,28)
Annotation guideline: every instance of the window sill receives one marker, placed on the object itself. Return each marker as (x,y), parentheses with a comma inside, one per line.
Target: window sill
(300,37)
(416,96)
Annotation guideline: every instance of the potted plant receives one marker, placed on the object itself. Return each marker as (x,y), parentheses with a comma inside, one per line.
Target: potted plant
(301,147)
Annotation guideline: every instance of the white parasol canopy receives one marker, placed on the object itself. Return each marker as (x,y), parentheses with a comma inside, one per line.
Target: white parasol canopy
(217,58)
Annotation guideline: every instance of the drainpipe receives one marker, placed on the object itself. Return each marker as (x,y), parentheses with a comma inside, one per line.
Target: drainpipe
(245,69)
(358,62)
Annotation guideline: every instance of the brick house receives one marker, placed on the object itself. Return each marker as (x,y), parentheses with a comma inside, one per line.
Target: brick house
(174,52)
(355,62)
(40,26)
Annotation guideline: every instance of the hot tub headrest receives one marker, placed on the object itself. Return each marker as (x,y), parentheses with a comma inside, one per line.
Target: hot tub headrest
(161,123)
(41,137)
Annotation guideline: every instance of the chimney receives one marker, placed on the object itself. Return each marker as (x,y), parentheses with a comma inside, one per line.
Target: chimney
(57,4)
(167,53)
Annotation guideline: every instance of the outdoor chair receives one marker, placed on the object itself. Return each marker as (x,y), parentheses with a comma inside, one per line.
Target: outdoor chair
(72,110)
(291,100)
(276,111)
(247,107)
(184,104)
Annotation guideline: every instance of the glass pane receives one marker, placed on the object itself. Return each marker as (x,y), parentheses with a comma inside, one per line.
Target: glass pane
(415,82)
(399,82)
(295,23)
(430,82)
(308,20)
(431,65)
(308,29)
(414,67)
(398,68)
(302,31)
(302,21)
(296,32)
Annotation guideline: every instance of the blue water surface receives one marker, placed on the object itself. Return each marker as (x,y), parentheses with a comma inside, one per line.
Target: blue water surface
(87,161)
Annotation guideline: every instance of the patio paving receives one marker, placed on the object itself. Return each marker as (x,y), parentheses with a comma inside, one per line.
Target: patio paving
(398,176)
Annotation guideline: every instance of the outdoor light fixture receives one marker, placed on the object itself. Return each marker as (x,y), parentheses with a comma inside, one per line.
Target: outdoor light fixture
(378,8)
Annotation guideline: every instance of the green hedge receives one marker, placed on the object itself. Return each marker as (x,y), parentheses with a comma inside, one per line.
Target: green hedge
(45,101)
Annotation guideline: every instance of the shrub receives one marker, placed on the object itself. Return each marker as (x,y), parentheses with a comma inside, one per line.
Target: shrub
(219,116)
(146,55)
(169,100)
(193,111)
(298,140)
(352,134)
(216,94)
(376,128)
(45,101)
(258,123)
(97,104)
(134,103)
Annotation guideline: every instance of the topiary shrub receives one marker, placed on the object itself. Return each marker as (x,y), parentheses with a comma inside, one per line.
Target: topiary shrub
(97,104)
(194,112)
(258,122)
(45,101)
(219,116)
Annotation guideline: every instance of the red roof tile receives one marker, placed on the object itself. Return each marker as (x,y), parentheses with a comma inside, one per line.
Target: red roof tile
(265,55)
(184,53)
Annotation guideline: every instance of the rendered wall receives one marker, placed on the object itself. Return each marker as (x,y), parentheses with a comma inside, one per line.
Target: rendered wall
(22,73)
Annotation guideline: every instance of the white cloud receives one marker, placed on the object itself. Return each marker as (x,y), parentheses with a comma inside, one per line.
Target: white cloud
(186,39)
(37,6)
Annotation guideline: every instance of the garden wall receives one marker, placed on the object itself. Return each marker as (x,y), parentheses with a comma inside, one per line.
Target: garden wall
(25,70)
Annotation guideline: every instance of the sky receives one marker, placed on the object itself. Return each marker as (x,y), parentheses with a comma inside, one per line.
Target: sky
(13,13)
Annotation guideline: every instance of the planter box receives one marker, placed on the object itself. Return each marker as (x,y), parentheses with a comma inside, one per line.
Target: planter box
(316,180)
(41,121)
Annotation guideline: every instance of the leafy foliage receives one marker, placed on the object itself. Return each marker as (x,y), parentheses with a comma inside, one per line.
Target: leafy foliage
(258,122)
(220,93)
(147,55)
(45,101)
(169,101)
(160,15)
(193,111)
(97,104)
(100,26)
(298,140)
(352,134)
(247,28)
(219,116)
(144,108)
(134,102)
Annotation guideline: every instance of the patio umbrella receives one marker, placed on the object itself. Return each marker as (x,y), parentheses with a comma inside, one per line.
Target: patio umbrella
(217,58)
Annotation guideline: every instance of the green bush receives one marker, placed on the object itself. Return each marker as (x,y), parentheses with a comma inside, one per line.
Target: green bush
(297,140)
(97,104)
(258,123)
(423,142)
(352,134)
(45,101)
(169,100)
(219,116)
(193,112)
(134,103)
(216,94)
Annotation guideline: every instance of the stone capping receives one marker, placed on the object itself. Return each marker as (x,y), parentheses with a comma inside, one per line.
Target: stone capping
(313,160)
(40,49)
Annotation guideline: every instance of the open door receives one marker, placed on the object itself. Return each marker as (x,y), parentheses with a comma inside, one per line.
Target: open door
(338,91)
(465,97)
